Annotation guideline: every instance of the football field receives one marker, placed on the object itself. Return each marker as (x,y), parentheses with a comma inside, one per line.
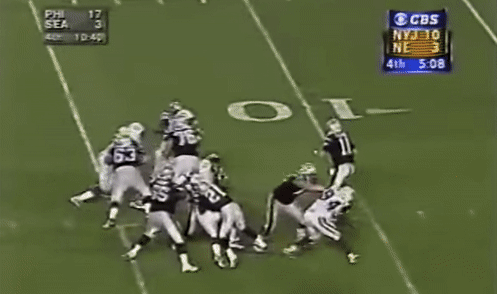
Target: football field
(425,216)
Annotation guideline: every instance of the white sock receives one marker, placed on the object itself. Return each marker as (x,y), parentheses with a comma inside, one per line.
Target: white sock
(231,254)
(216,248)
(113,212)
(136,248)
(183,257)
(85,196)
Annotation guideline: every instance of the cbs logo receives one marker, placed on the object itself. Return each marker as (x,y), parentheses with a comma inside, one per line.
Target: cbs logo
(401,19)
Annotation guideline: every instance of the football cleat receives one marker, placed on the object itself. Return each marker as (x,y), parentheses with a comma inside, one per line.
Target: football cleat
(236,245)
(74,201)
(352,258)
(130,255)
(109,224)
(292,251)
(220,261)
(259,244)
(188,268)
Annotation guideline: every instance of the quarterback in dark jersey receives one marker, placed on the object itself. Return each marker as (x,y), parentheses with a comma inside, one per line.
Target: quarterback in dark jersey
(160,208)
(341,150)
(284,195)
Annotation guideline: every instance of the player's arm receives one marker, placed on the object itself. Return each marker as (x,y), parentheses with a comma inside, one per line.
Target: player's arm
(308,187)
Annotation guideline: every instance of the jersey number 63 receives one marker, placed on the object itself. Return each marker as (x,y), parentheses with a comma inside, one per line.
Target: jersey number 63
(124,154)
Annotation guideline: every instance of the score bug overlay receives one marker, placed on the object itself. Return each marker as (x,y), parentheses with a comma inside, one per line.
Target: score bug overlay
(417,42)
(75,26)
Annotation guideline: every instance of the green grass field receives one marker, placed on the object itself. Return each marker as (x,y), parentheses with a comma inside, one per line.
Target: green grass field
(437,159)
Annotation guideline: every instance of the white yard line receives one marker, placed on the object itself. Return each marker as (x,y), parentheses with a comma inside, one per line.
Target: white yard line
(118,2)
(318,128)
(136,269)
(161,2)
(481,21)
(74,2)
(139,277)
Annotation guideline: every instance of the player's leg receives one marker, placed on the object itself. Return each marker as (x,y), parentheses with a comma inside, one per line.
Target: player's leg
(152,226)
(296,213)
(138,183)
(271,216)
(241,225)
(342,173)
(209,221)
(90,193)
(180,245)
(235,239)
(191,221)
(119,186)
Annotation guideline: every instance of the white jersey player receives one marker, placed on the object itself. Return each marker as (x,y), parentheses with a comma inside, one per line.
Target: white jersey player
(321,219)
(105,170)
(125,156)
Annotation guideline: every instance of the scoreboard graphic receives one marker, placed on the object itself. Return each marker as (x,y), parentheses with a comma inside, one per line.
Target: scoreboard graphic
(417,42)
(76,26)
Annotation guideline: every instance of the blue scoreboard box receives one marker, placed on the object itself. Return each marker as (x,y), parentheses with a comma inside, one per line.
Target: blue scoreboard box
(417,42)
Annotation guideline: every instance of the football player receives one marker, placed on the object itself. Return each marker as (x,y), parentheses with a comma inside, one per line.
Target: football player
(181,141)
(321,218)
(284,195)
(125,155)
(103,188)
(341,150)
(210,197)
(160,208)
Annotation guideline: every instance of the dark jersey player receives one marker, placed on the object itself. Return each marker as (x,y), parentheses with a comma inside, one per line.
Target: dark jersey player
(160,208)
(211,202)
(181,141)
(284,195)
(341,150)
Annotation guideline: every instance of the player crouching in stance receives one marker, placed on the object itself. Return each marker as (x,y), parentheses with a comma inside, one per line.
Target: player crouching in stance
(283,198)
(125,155)
(160,207)
(321,218)
(209,197)
(105,170)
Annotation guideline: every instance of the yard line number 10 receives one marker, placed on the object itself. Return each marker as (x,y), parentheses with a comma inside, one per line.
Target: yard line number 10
(96,14)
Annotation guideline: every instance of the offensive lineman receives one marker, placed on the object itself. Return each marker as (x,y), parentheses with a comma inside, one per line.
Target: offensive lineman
(103,187)
(283,198)
(160,207)
(341,150)
(209,197)
(125,155)
(321,218)
(181,141)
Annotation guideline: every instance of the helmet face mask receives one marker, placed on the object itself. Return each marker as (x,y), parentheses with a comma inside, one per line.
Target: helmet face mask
(174,107)
(136,130)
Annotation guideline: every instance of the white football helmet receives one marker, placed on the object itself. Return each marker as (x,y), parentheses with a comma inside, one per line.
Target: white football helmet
(121,133)
(136,131)
(334,126)
(174,107)
(307,169)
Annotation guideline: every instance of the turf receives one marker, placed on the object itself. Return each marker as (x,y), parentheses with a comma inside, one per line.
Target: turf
(438,158)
